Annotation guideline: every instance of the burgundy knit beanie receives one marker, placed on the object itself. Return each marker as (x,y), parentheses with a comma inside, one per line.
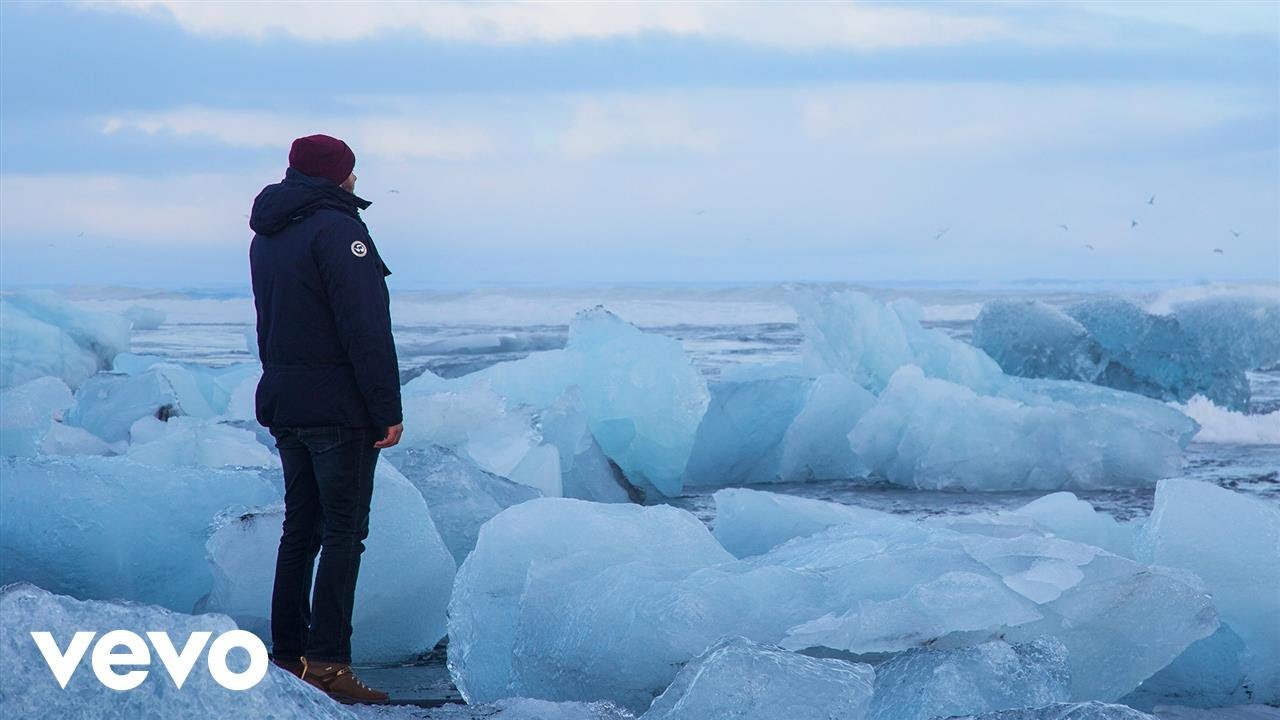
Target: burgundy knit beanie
(322,156)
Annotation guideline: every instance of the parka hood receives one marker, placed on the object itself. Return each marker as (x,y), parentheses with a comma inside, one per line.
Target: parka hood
(296,197)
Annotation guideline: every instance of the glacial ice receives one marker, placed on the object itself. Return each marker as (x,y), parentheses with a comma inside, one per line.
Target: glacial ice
(575,601)
(642,398)
(29,690)
(46,335)
(586,472)
(486,607)
(740,437)
(929,433)
(196,442)
(932,390)
(460,495)
(28,412)
(142,317)
(406,572)
(1030,338)
(816,445)
(1203,347)
(97,527)
(1219,425)
(1232,542)
(751,522)
(737,678)
(1091,710)
(108,404)
(922,684)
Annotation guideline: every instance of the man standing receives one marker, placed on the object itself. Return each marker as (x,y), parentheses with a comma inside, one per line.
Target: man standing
(330,395)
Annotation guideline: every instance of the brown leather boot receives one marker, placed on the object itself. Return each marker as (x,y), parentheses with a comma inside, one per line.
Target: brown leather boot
(293,667)
(338,682)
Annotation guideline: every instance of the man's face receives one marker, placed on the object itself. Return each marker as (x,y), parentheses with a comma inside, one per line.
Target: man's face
(349,184)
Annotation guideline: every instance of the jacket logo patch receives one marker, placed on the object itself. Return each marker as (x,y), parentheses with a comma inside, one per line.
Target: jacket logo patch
(358,249)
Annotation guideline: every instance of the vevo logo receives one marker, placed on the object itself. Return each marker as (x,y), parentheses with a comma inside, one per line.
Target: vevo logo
(179,664)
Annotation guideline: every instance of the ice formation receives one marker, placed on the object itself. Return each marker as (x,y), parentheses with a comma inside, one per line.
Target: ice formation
(751,522)
(29,690)
(46,335)
(737,678)
(141,317)
(922,684)
(196,442)
(572,601)
(740,438)
(641,397)
(486,627)
(1091,710)
(102,528)
(933,390)
(1203,347)
(1232,542)
(933,434)
(460,495)
(406,573)
(29,410)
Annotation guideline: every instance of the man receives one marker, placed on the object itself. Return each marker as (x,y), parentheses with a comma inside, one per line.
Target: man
(330,395)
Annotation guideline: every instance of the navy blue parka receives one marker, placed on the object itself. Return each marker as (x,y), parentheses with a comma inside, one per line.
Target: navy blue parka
(324,311)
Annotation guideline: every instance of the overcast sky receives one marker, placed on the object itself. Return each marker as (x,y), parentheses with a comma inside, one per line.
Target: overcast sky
(572,143)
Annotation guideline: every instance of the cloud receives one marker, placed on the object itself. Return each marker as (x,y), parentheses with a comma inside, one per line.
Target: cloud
(391,138)
(635,123)
(793,26)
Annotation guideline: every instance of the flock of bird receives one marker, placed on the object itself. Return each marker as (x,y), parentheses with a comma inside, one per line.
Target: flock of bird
(1133,223)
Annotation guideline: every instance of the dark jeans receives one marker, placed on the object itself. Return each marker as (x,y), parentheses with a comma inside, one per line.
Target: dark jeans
(328,482)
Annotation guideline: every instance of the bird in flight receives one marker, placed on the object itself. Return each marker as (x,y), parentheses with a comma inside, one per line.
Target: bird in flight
(699,212)
(80,235)
(394,191)
(941,232)
(1152,200)
(1064,227)
(1088,246)
(1233,232)
(1218,250)
(1133,224)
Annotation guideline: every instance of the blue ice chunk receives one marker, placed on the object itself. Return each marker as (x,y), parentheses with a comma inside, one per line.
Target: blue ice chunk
(108,404)
(142,317)
(1232,542)
(1035,435)
(923,684)
(47,335)
(97,527)
(29,690)
(460,494)
(485,611)
(1212,672)
(751,522)
(586,472)
(738,678)
(1034,339)
(816,444)
(27,411)
(566,600)
(740,438)
(197,442)
(644,399)
(406,572)
(1203,348)
(867,341)
(1091,710)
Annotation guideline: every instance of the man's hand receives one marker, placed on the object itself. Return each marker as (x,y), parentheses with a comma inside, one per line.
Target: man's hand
(392,437)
